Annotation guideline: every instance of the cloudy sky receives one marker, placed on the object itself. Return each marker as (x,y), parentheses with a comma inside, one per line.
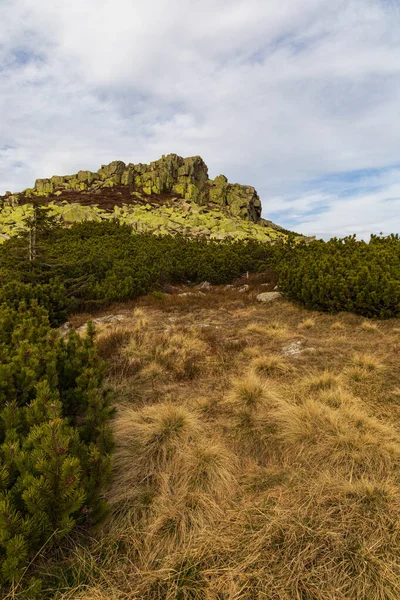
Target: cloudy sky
(299,99)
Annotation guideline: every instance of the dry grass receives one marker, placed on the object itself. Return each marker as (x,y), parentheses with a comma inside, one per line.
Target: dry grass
(270,365)
(273,329)
(244,475)
(307,323)
(174,353)
(322,381)
(369,326)
(369,362)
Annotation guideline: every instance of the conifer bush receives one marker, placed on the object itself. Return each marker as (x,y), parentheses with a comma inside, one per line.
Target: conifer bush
(345,275)
(55,441)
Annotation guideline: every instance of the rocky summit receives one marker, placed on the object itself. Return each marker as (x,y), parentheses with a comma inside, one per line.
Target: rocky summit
(168,196)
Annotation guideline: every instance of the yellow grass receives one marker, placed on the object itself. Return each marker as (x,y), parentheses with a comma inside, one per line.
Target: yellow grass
(241,474)
(337,325)
(307,323)
(270,365)
(369,326)
(369,362)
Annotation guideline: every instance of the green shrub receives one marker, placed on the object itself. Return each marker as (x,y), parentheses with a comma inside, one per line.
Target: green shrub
(52,296)
(345,275)
(55,441)
(99,263)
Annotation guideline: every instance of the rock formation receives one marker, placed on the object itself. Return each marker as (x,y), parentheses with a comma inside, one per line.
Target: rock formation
(186,178)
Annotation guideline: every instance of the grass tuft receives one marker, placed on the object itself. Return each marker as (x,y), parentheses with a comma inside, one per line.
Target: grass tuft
(271,365)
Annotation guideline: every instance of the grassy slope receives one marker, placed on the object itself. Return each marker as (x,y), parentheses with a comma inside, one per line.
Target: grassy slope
(242,474)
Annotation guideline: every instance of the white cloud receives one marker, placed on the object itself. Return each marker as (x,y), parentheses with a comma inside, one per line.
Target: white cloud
(277,94)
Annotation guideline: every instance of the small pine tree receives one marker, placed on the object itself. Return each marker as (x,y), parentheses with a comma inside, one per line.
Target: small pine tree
(55,441)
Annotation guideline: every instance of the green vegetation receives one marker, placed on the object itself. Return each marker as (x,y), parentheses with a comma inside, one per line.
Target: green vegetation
(99,263)
(345,275)
(54,440)
(92,264)
(241,470)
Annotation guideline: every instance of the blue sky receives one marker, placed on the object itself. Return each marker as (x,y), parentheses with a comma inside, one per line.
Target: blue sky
(299,99)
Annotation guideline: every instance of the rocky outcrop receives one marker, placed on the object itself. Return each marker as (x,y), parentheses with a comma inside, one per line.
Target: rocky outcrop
(186,178)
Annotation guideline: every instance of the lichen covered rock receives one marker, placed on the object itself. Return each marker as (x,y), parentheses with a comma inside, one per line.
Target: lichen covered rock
(180,218)
(185,177)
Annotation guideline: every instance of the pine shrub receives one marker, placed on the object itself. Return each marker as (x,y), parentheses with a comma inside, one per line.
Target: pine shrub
(345,275)
(55,441)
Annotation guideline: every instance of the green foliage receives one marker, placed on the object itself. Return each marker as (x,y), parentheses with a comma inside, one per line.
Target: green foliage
(52,296)
(100,263)
(345,275)
(55,441)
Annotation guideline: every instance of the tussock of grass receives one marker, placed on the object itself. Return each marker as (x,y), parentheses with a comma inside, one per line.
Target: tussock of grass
(274,329)
(249,392)
(358,374)
(347,440)
(321,381)
(337,398)
(148,441)
(308,323)
(201,483)
(369,362)
(180,354)
(110,343)
(337,326)
(369,326)
(272,364)
(251,402)
(153,371)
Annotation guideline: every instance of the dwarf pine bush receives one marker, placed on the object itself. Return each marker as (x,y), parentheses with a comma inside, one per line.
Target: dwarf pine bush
(55,441)
(345,275)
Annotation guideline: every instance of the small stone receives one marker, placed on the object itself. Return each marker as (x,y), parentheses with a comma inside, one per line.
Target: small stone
(294,349)
(244,288)
(268,296)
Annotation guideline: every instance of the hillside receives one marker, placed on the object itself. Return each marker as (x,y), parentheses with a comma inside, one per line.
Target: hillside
(171,195)
(177,421)
(257,453)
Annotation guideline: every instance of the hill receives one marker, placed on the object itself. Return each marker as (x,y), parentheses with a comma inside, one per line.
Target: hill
(169,196)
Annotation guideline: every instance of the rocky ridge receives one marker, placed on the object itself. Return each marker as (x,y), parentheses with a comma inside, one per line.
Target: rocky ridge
(186,178)
(168,196)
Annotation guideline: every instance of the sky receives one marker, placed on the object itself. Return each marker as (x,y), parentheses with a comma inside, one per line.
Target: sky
(299,99)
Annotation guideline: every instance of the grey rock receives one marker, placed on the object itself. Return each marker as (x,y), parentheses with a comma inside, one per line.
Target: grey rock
(293,349)
(296,349)
(268,296)
(107,320)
